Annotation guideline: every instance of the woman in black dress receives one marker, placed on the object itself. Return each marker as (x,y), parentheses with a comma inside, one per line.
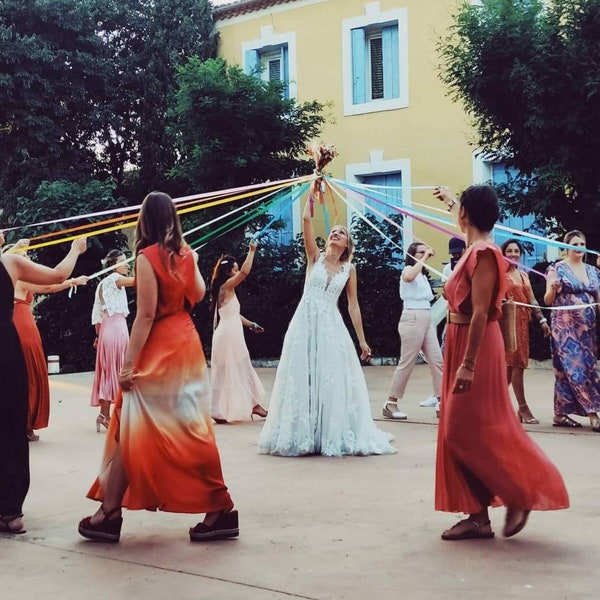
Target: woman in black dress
(14,448)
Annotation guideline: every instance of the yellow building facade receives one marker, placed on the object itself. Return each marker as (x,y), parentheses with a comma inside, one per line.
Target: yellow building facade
(377,66)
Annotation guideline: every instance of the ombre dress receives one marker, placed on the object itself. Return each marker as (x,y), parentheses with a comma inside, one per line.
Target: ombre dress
(14,447)
(484,456)
(35,359)
(235,386)
(320,401)
(110,310)
(575,344)
(163,425)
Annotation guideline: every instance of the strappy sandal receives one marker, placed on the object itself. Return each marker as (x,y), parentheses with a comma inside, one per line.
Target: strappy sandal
(106,530)
(468,530)
(564,421)
(13,524)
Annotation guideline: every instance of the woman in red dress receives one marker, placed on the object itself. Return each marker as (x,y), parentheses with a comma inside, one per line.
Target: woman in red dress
(484,457)
(38,413)
(160,451)
(520,290)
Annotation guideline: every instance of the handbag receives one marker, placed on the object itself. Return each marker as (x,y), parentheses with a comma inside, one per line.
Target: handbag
(508,325)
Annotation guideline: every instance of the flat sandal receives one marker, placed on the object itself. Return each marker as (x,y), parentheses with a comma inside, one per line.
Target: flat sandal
(473,532)
(565,421)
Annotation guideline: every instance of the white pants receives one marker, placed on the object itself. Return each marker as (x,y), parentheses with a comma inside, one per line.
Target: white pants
(417,333)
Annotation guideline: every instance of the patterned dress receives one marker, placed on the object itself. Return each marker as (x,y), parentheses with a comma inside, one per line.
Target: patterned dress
(35,359)
(163,425)
(574,344)
(519,292)
(14,447)
(320,402)
(484,456)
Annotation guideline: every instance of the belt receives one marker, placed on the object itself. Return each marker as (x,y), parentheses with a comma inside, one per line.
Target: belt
(459,318)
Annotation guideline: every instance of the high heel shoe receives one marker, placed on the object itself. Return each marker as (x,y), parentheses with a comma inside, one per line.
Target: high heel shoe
(259,411)
(102,421)
(107,530)
(595,423)
(525,416)
(225,526)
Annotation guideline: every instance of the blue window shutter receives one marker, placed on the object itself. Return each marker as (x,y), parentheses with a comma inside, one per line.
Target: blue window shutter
(252,63)
(391,68)
(358,66)
(391,196)
(286,71)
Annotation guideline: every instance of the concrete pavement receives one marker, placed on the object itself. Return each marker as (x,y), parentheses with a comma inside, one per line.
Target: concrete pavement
(312,527)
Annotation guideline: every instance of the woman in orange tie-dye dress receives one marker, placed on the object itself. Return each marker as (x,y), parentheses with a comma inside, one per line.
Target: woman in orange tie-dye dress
(484,457)
(160,451)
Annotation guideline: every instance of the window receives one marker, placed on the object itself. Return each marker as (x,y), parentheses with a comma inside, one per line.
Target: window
(284,212)
(272,57)
(375,56)
(375,73)
(270,64)
(535,251)
(387,188)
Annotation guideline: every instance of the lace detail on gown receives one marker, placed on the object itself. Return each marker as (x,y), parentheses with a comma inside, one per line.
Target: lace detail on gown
(320,402)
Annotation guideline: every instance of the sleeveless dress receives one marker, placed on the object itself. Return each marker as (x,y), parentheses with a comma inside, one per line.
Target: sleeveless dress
(35,359)
(320,402)
(575,344)
(14,447)
(484,456)
(163,425)
(235,386)
(519,293)
(110,310)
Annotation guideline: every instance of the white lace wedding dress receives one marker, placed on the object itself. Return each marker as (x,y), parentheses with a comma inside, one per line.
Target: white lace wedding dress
(320,401)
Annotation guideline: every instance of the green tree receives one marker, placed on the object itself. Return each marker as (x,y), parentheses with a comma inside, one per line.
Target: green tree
(235,129)
(51,64)
(527,73)
(64,322)
(146,40)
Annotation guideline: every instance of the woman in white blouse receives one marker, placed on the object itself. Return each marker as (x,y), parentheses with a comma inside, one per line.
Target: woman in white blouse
(417,332)
(109,318)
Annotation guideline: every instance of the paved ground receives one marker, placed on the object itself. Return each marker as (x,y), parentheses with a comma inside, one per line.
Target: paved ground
(318,528)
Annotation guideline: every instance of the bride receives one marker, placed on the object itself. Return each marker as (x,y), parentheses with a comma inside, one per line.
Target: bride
(320,402)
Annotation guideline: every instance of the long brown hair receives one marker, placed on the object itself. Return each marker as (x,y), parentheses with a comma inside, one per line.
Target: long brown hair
(158,223)
(221,273)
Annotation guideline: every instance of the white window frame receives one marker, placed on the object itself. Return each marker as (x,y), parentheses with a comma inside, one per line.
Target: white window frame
(269,39)
(374,16)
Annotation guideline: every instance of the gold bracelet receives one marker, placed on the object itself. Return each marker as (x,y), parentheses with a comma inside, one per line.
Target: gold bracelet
(464,366)
(126,373)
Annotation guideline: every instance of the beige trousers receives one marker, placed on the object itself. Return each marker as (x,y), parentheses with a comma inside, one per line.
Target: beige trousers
(417,333)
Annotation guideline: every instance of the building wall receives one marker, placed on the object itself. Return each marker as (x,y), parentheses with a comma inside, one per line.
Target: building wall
(428,139)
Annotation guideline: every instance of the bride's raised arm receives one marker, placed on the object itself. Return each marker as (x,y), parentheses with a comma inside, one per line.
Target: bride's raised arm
(308,233)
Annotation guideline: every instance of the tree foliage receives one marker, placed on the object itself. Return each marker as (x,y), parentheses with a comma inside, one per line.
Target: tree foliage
(64,322)
(527,73)
(236,129)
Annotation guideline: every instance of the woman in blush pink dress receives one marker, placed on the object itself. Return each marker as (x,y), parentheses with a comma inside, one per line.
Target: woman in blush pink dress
(235,386)
(109,318)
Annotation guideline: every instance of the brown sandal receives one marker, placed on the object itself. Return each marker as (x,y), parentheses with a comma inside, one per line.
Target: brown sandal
(564,421)
(468,530)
